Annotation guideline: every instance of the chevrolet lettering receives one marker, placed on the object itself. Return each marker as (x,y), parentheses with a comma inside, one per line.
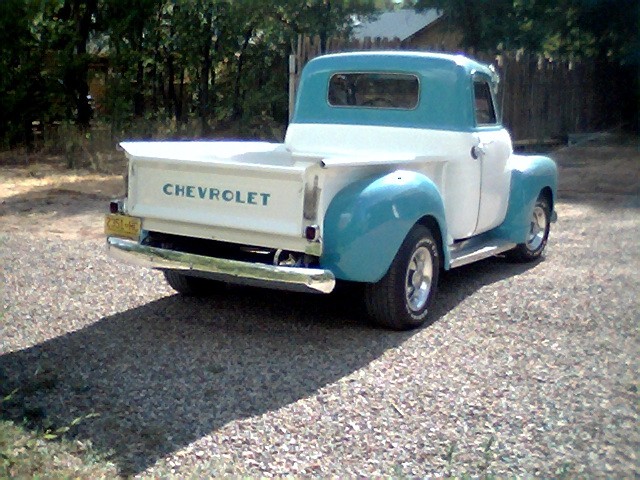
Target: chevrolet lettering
(216,194)
(395,167)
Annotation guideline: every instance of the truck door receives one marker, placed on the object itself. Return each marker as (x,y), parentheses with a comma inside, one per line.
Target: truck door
(492,150)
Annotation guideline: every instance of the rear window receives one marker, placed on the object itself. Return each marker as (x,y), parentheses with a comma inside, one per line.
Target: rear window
(485,111)
(374,90)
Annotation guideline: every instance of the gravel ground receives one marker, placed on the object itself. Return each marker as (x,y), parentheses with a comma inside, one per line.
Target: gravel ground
(526,370)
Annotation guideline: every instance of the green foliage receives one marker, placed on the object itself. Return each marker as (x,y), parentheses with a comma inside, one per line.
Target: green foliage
(20,74)
(200,67)
(26,455)
(46,453)
(567,28)
(55,433)
(177,67)
(43,64)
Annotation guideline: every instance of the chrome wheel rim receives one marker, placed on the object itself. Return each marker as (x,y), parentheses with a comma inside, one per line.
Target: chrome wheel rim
(537,229)
(417,285)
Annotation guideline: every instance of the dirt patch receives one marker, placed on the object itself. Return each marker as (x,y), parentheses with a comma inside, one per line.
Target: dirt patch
(39,195)
(599,169)
(44,198)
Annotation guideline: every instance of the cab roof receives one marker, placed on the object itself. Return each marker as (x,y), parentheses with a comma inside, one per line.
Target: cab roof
(394,60)
(445,98)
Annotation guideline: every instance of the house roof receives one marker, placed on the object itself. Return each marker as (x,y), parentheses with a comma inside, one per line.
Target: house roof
(398,23)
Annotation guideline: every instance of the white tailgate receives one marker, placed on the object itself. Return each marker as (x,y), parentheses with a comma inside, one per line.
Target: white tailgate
(259,189)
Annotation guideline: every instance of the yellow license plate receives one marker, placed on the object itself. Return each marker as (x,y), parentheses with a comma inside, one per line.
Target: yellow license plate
(116,225)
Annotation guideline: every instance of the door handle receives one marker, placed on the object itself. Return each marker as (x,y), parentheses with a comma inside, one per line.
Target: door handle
(480,149)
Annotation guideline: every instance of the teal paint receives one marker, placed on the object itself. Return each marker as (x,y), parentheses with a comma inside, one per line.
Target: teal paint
(446,85)
(367,222)
(530,175)
(210,193)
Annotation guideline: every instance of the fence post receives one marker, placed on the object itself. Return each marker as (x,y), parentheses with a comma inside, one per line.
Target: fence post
(292,84)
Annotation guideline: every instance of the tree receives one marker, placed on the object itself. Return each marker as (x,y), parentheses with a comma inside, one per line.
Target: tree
(168,62)
(322,17)
(19,72)
(76,19)
(569,28)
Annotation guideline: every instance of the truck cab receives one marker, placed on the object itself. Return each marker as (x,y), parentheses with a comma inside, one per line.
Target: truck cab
(437,111)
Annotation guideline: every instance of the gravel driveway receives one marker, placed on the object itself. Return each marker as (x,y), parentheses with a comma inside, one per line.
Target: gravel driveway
(526,370)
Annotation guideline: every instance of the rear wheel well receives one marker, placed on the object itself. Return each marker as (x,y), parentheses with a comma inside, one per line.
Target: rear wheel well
(432,224)
(548,195)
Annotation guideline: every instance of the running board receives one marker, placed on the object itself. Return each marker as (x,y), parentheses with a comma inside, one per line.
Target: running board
(469,252)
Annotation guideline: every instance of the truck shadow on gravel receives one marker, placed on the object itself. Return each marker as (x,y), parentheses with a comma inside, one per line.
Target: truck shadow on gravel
(167,373)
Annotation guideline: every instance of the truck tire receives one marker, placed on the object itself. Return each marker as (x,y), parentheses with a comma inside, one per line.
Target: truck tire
(537,236)
(189,286)
(402,298)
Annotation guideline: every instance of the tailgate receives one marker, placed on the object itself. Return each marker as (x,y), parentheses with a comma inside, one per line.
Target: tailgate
(253,186)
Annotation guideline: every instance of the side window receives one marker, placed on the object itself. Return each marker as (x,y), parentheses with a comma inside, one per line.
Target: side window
(374,90)
(485,111)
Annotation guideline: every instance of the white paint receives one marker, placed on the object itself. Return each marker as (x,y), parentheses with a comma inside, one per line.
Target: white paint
(245,152)
(260,197)
(495,150)
(443,156)
(337,154)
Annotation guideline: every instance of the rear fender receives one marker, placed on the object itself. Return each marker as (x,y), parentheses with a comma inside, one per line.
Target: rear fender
(368,220)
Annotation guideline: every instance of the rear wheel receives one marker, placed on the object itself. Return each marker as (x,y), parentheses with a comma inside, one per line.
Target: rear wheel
(538,235)
(402,298)
(189,286)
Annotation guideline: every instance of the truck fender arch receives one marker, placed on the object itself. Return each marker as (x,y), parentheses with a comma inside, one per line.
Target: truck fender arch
(367,221)
(530,177)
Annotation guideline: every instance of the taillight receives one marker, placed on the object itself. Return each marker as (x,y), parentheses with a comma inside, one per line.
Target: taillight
(311,232)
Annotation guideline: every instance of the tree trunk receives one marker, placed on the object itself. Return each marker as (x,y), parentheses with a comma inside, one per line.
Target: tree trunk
(237,97)
(170,99)
(81,85)
(138,95)
(324,32)
(171,88)
(204,105)
(153,73)
(180,99)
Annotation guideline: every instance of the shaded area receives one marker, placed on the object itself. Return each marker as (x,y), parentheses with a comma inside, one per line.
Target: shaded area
(65,213)
(599,173)
(59,201)
(159,376)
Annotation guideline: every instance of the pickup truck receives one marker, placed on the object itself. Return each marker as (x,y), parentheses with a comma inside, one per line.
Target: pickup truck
(395,167)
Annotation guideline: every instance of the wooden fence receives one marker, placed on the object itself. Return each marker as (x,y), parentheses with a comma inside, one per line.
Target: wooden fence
(542,101)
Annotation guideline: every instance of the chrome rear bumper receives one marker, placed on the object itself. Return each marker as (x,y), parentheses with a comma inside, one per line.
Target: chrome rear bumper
(302,279)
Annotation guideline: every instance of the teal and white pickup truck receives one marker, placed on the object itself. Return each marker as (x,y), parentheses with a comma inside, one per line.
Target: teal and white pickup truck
(395,166)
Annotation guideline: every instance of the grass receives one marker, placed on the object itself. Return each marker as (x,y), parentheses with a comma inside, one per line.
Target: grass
(44,453)
(24,454)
